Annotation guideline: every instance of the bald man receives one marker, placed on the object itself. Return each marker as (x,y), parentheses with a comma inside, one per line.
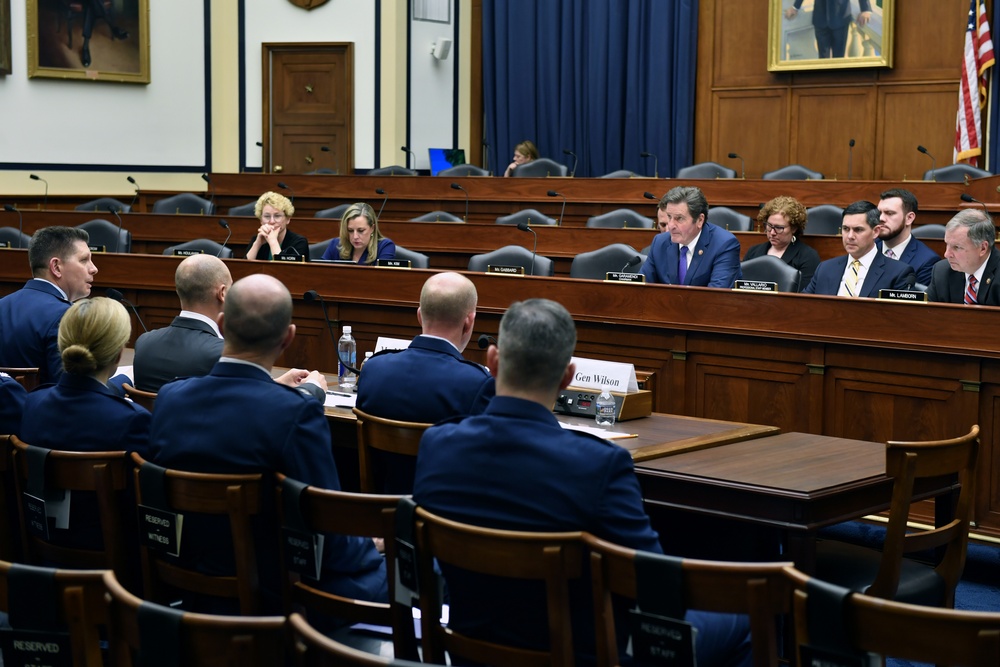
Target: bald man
(430,380)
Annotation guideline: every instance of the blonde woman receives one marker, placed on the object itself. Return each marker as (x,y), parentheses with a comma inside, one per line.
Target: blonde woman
(360,240)
(273,236)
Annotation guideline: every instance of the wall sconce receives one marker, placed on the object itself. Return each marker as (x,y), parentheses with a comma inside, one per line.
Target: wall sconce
(441,49)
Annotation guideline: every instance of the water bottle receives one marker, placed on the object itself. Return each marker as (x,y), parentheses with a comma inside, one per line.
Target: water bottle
(605,408)
(347,351)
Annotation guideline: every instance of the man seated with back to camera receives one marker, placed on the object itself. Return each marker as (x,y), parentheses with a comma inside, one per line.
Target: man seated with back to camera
(514,468)
(969,269)
(430,380)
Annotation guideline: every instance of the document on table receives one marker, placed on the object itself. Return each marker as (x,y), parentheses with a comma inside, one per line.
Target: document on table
(598,431)
(340,399)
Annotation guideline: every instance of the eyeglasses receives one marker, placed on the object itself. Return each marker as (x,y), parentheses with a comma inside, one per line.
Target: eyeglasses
(276,217)
(774,228)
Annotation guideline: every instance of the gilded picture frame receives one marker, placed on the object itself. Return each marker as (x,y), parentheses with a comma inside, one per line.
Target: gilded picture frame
(843,34)
(117,50)
(6,66)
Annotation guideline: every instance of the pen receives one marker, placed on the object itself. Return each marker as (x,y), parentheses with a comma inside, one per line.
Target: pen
(338,393)
(628,435)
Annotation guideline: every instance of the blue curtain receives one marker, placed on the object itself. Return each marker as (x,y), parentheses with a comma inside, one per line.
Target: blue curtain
(606,79)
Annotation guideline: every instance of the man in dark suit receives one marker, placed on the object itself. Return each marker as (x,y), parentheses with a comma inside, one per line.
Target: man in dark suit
(237,420)
(968,272)
(192,343)
(831,20)
(513,467)
(693,252)
(62,270)
(12,396)
(93,10)
(448,384)
(868,270)
(897,211)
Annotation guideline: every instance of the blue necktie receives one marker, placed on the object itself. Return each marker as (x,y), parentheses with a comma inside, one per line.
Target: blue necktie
(682,268)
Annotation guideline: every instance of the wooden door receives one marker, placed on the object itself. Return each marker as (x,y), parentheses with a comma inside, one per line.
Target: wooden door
(308,107)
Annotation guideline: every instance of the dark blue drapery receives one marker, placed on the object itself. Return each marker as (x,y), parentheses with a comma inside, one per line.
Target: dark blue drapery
(606,79)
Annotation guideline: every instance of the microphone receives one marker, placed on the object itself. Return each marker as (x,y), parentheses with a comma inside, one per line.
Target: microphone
(743,165)
(850,158)
(380,191)
(36,177)
(406,149)
(136,195)
(336,163)
(118,239)
(553,193)
(117,296)
(20,226)
(969,198)
(632,262)
(284,186)
(211,191)
(485,340)
(650,195)
(456,186)
(224,225)
(486,155)
(525,227)
(933,162)
(313,295)
(572,172)
(656,163)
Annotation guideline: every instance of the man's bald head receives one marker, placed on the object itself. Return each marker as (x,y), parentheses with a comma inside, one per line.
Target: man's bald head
(198,280)
(257,316)
(448,307)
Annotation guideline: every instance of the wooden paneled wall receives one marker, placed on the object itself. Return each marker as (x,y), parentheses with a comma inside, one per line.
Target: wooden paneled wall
(778,118)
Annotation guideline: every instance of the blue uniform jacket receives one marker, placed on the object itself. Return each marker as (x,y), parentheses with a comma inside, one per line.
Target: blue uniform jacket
(29,329)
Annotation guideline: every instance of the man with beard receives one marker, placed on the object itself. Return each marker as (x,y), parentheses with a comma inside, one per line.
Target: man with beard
(897,211)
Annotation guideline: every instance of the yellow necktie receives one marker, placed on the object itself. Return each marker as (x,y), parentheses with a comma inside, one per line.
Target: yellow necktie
(852,279)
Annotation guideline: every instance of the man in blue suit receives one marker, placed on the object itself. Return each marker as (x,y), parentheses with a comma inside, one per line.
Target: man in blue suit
(449,385)
(238,420)
(868,270)
(831,20)
(62,271)
(692,252)
(897,210)
(513,467)
(12,397)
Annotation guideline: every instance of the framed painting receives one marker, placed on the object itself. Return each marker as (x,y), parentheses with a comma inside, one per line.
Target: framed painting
(5,64)
(99,40)
(829,34)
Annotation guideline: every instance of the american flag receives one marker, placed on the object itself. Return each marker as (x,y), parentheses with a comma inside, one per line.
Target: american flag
(972,90)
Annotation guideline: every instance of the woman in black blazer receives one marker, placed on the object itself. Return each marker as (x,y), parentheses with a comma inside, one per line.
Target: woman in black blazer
(783,219)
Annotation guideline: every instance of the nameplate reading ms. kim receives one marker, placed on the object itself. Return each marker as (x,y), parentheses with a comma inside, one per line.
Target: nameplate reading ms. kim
(394,263)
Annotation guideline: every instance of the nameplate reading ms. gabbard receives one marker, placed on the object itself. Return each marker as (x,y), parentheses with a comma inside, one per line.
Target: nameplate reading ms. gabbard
(505,270)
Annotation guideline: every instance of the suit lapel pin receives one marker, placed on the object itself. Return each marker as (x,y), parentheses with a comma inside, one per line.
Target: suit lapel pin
(701,252)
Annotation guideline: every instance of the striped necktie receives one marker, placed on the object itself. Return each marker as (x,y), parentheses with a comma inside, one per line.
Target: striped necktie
(852,279)
(971,291)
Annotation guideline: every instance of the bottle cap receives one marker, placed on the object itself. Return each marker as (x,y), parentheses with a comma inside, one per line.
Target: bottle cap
(347,328)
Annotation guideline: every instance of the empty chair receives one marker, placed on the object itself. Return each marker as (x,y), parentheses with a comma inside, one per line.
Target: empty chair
(186,202)
(197,246)
(464,170)
(107,237)
(771,269)
(391,436)
(597,263)
(318,249)
(14,238)
(104,204)
(620,173)
(528,215)
(928,231)
(437,216)
(335,212)
(706,170)
(540,168)
(622,217)
(824,219)
(146,399)
(727,218)
(955,173)
(394,170)
(513,255)
(792,172)
(418,260)
(244,209)
(311,648)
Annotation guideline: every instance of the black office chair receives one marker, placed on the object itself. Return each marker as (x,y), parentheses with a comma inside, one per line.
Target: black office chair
(15,238)
(706,170)
(102,204)
(337,212)
(106,237)
(620,173)
(928,231)
(541,168)
(185,202)
(316,250)
(529,215)
(955,173)
(437,216)
(418,260)
(394,170)
(243,209)
(793,172)
(464,170)
(596,263)
(824,219)
(513,255)
(770,269)
(727,218)
(620,219)
(200,246)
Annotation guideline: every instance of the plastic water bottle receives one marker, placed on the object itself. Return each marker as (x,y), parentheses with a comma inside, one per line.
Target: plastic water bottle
(605,408)
(347,351)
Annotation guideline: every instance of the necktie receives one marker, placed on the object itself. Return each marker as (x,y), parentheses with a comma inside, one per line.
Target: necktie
(889,253)
(682,268)
(970,291)
(852,279)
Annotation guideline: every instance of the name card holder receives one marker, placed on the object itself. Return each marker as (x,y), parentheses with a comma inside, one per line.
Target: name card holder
(30,648)
(505,270)
(303,549)
(40,502)
(755,286)
(282,257)
(658,640)
(395,263)
(6,244)
(187,252)
(98,248)
(159,527)
(911,296)
(620,277)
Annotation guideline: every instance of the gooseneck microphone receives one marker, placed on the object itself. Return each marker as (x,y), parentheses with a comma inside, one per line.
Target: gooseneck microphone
(553,193)
(969,198)
(385,198)
(224,225)
(525,227)
(485,340)
(850,158)
(406,149)
(135,196)
(313,295)
(112,293)
(933,162)
(10,208)
(284,186)
(456,186)
(632,262)
(486,156)
(36,177)
(656,163)
(743,165)
(336,161)
(118,239)
(650,195)
(211,191)
(572,172)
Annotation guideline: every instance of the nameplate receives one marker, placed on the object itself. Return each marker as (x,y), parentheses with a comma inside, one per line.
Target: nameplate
(160,530)
(35,519)
(505,270)
(395,263)
(303,552)
(406,567)
(914,296)
(282,257)
(5,244)
(594,374)
(38,511)
(619,277)
(98,248)
(386,343)
(755,286)
(187,252)
(814,656)
(32,648)
(658,640)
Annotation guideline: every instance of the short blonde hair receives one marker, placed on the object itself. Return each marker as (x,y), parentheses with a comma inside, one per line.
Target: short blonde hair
(280,202)
(92,334)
